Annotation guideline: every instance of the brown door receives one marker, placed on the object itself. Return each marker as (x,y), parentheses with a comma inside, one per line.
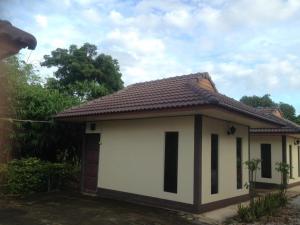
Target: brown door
(90,162)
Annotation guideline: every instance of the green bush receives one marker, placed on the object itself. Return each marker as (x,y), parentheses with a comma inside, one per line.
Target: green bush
(262,206)
(3,176)
(32,175)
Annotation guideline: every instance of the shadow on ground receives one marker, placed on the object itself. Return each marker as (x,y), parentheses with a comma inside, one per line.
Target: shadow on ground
(72,209)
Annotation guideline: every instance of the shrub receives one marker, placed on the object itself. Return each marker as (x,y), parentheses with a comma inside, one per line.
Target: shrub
(32,175)
(3,177)
(266,205)
(245,214)
(3,173)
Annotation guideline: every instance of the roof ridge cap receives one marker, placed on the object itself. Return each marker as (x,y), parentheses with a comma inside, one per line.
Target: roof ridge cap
(199,74)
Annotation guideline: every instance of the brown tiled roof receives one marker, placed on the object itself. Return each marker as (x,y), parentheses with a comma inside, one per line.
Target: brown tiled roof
(170,93)
(20,37)
(289,126)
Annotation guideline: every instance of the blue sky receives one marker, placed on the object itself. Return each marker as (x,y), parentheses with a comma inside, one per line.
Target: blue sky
(248,46)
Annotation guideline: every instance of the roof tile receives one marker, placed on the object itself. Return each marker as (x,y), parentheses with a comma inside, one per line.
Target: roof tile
(174,92)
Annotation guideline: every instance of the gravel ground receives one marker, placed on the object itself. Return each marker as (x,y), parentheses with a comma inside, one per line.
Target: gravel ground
(75,209)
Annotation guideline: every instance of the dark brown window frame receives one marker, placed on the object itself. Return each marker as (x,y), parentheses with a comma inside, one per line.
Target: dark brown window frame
(291,160)
(239,163)
(214,164)
(171,162)
(266,167)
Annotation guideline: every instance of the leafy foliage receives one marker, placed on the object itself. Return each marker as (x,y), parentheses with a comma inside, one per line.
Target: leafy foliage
(256,101)
(253,167)
(32,175)
(32,103)
(288,110)
(266,205)
(284,170)
(81,72)
(3,173)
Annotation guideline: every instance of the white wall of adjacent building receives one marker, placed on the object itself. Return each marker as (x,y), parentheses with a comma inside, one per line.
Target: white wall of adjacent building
(227,159)
(132,152)
(276,156)
(290,141)
(132,156)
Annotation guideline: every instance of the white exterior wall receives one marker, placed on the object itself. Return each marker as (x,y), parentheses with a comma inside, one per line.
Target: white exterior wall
(227,159)
(132,156)
(290,141)
(276,155)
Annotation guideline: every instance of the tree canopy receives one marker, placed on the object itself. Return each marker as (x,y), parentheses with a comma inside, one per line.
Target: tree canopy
(32,107)
(83,73)
(256,101)
(288,110)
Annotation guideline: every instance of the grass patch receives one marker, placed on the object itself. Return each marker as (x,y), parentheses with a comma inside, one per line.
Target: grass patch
(262,206)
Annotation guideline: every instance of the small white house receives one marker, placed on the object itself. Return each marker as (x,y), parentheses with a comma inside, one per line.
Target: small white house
(175,143)
(273,145)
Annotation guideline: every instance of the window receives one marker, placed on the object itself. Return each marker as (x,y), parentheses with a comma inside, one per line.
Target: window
(239,173)
(298,161)
(291,162)
(214,163)
(171,162)
(266,166)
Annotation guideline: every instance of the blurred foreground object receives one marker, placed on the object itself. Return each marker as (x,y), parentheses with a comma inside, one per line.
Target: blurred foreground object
(12,39)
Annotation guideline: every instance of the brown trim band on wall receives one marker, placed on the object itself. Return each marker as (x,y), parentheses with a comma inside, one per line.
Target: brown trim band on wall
(223,203)
(168,204)
(197,161)
(293,184)
(263,185)
(145,200)
(273,186)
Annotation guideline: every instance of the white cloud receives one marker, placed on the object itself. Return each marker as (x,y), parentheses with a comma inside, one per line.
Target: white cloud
(142,58)
(41,20)
(134,43)
(116,17)
(147,6)
(179,18)
(211,17)
(243,13)
(273,75)
(92,15)
(253,44)
(58,43)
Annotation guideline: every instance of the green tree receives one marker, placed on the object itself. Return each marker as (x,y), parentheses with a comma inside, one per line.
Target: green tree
(253,167)
(256,101)
(83,73)
(284,170)
(32,108)
(297,120)
(288,111)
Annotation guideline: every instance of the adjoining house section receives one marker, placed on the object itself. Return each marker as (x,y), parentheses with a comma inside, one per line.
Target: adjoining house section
(175,143)
(273,145)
